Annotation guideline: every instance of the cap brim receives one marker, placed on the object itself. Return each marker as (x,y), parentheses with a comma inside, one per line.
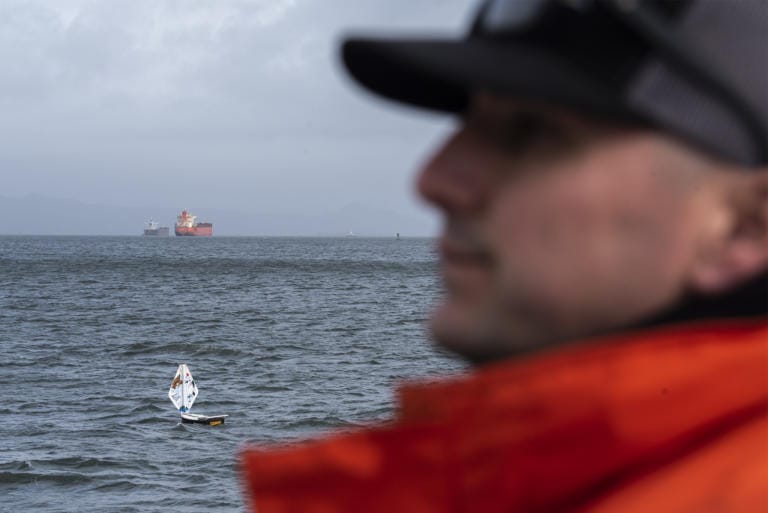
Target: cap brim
(443,74)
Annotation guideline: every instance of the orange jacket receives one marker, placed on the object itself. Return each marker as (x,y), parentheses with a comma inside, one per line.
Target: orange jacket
(674,420)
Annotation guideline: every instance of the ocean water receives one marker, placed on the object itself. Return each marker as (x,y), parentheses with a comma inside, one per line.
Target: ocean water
(291,337)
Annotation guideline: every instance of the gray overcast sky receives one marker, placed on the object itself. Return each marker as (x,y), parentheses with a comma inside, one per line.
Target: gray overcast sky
(219,104)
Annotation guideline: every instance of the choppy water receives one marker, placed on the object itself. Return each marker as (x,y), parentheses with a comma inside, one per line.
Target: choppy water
(290,337)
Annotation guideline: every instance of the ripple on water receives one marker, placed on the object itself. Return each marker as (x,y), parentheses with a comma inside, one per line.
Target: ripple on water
(290,337)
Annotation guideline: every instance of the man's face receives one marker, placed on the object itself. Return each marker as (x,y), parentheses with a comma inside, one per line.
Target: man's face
(556,227)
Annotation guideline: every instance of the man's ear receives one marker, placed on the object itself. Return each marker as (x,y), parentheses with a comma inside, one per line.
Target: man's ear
(741,250)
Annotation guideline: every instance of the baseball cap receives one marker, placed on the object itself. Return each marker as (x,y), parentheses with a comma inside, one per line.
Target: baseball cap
(697,69)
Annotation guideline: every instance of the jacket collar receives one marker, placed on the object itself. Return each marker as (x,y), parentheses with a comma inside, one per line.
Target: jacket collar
(549,433)
(596,412)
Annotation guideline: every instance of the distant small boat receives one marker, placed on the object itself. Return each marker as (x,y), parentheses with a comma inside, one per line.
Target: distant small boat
(153,229)
(183,393)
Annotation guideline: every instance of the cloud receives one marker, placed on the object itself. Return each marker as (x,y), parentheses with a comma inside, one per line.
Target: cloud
(138,49)
(101,98)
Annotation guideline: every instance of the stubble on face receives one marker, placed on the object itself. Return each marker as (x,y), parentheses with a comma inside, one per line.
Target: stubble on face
(569,233)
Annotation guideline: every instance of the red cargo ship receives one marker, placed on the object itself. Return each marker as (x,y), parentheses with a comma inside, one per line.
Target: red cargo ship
(187,225)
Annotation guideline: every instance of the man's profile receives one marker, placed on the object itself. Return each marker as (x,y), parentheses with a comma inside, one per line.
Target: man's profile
(605,261)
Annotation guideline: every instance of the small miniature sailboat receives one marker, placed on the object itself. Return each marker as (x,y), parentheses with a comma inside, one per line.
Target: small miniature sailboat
(183,393)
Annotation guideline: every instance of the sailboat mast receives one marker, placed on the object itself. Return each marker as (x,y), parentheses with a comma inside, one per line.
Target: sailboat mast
(183,391)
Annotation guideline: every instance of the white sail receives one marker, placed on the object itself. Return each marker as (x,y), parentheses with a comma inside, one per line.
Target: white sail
(183,390)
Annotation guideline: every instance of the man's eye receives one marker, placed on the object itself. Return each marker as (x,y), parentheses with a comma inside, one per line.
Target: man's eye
(526,132)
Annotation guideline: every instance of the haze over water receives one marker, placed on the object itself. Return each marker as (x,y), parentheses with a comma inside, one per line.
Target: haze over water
(290,337)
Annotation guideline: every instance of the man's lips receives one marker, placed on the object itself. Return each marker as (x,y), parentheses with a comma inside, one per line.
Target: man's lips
(464,264)
(462,252)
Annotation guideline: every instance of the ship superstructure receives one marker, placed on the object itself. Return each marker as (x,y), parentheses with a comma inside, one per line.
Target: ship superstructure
(187,225)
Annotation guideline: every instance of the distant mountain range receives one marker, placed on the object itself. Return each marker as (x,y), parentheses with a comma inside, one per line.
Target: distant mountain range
(40,215)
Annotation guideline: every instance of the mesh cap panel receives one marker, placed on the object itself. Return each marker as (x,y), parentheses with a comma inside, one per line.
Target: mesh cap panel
(733,42)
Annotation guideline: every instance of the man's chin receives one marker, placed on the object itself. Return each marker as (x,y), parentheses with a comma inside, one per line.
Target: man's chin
(465,333)
(484,335)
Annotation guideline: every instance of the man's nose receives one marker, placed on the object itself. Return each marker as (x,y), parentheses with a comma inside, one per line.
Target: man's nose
(457,176)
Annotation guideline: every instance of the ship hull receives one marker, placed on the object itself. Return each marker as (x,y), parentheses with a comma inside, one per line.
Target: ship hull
(195,231)
(159,232)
